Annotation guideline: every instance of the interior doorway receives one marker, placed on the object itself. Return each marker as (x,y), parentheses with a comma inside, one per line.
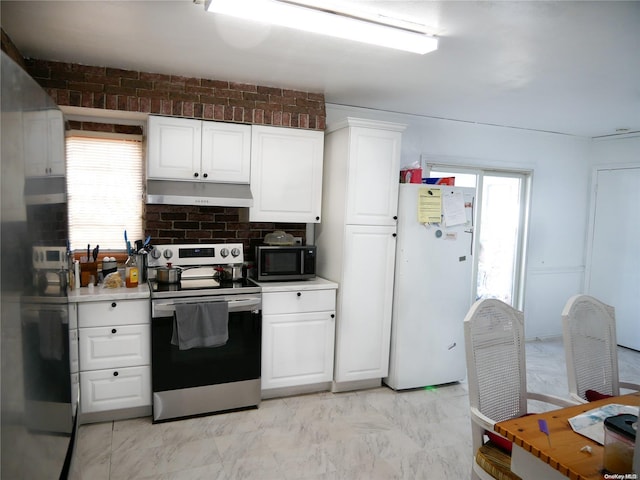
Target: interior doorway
(502,202)
(613,264)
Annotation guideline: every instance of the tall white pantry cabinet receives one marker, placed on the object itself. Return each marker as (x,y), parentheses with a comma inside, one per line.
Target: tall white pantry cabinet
(356,244)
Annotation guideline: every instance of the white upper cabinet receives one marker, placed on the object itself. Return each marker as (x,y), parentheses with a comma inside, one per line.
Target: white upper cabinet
(372,193)
(187,149)
(226,152)
(174,148)
(286,174)
(44,143)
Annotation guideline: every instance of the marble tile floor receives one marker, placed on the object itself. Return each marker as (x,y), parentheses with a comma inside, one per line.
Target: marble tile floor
(373,434)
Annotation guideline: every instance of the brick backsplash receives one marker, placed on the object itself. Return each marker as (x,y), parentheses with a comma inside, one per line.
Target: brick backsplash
(128,90)
(174,224)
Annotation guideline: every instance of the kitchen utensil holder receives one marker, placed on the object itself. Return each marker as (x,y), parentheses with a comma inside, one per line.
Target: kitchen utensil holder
(87,269)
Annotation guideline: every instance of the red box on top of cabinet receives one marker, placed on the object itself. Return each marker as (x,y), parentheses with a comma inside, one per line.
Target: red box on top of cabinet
(411,175)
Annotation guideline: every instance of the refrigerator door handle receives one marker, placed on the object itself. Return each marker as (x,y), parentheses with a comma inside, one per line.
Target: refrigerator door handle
(470,231)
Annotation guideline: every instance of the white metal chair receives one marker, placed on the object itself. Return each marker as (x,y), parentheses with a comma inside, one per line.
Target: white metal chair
(496,370)
(590,345)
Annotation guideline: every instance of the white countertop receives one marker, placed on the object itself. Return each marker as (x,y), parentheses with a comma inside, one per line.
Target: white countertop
(98,294)
(317,283)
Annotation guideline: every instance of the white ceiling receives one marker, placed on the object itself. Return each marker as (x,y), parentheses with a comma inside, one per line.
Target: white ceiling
(559,66)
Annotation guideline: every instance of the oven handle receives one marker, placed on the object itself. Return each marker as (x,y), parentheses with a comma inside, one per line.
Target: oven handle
(167,309)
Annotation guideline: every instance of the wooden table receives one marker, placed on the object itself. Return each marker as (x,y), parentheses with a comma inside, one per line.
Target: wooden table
(532,458)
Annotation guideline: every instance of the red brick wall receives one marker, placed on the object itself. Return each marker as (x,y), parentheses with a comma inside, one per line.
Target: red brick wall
(195,224)
(108,88)
(127,90)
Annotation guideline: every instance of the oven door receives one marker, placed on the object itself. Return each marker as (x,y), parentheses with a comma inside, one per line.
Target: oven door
(204,380)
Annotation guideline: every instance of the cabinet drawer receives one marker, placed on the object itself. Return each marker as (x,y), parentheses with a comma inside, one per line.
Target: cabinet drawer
(298,301)
(103,390)
(111,347)
(114,312)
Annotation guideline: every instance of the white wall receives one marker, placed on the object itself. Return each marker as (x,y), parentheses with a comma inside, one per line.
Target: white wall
(616,151)
(560,196)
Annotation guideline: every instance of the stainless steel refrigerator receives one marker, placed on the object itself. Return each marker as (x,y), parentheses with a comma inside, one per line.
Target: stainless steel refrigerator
(432,288)
(37,400)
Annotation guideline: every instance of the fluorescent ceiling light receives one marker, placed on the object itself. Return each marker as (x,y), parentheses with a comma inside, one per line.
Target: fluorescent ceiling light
(326,22)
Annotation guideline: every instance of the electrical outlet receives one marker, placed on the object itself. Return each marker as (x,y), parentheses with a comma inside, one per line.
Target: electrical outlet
(297,240)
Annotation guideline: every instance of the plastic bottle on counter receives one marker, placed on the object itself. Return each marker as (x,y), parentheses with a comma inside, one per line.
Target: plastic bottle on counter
(76,275)
(131,272)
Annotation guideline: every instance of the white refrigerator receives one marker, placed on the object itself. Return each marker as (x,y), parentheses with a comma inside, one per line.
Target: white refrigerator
(433,285)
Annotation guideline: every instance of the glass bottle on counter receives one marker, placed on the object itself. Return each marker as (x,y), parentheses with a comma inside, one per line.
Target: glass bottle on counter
(131,272)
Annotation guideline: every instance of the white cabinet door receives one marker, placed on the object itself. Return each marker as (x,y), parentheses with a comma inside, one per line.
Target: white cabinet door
(363,328)
(104,390)
(174,148)
(55,153)
(297,349)
(36,134)
(226,152)
(114,312)
(117,346)
(286,174)
(372,191)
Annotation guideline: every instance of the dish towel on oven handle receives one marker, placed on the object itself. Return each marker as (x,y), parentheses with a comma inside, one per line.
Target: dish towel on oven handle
(198,325)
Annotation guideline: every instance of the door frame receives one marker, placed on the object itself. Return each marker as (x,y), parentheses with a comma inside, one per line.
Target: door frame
(593,193)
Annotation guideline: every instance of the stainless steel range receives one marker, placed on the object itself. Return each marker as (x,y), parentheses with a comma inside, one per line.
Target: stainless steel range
(205,332)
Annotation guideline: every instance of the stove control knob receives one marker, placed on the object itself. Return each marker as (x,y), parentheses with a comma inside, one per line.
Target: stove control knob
(155,253)
(235,252)
(224,252)
(167,254)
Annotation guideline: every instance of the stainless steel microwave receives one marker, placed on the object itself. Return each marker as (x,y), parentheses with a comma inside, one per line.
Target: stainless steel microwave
(283,263)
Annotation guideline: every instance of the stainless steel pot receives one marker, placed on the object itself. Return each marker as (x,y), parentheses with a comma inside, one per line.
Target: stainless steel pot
(233,272)
(168,274)
(230,272)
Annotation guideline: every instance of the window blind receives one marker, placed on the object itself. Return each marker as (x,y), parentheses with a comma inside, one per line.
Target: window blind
(104,190)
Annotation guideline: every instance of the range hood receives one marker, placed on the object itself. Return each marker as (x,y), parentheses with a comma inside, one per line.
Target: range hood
(173,192)
(45,190)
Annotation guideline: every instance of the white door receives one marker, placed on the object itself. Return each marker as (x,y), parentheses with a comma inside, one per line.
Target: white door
(614,264)
(174,148)
(372,197)
(226,152)
(366,293)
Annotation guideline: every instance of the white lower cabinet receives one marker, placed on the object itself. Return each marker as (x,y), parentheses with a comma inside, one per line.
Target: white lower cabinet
(114,359)
(117,346)
(297,337)
(114,389)
(364,330)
